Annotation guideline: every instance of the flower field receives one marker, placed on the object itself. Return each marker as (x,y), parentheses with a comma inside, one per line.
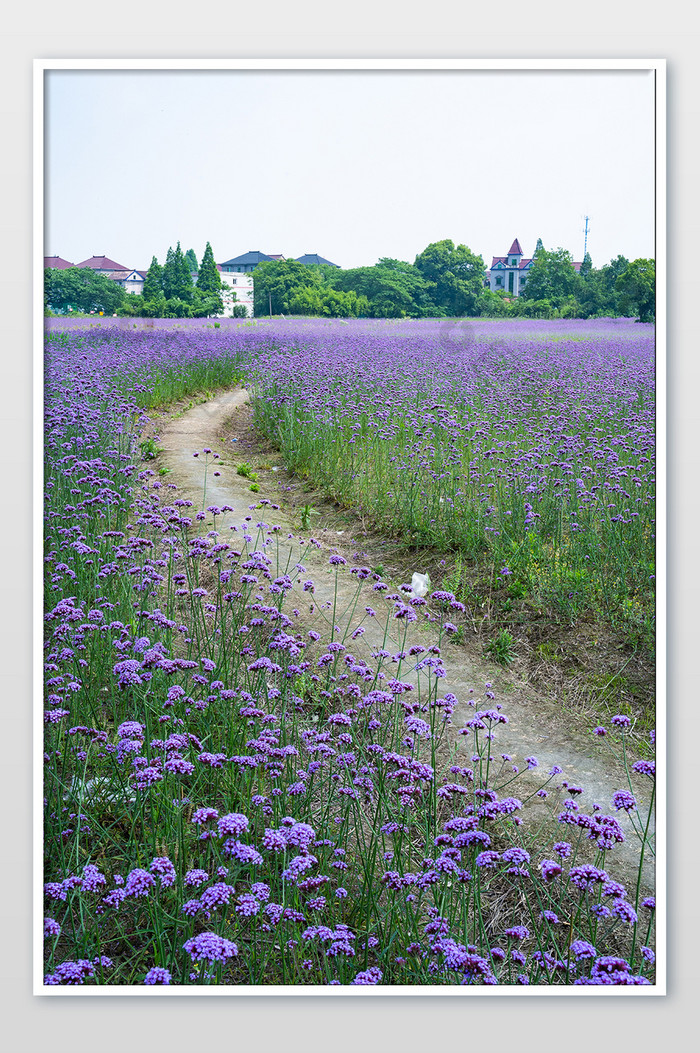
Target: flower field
(524,452)
(239,789)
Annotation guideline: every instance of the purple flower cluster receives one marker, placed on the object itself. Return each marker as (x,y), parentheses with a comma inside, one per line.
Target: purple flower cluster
(210,947)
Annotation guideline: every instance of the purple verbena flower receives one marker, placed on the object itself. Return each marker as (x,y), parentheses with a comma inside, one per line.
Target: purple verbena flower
(92,878)
(157,975)
(195,878)
(51,928)
(216,895)
(210,947)
(369,977)
(581,949)
(232,825)
(550,869)
(164,869)
(624,799)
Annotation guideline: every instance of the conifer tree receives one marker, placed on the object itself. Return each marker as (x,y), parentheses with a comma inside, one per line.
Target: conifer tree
(153,285)
(185,288)
(209,280)
(169,274)
(177,280)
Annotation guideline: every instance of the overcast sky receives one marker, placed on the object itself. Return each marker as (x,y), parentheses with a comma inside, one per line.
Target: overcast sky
(353,165)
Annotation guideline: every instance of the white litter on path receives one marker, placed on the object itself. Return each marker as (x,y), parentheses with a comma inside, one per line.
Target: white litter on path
(420,584)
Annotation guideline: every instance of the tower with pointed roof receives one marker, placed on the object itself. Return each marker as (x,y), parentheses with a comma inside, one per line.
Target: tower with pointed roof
(515,253)
(509,273)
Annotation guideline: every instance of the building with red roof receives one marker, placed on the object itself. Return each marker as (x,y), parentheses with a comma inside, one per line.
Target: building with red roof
(102,265)
(55,262)
(509,273)
(131,280)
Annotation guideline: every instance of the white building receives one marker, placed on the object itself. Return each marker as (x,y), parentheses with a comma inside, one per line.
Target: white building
(132,281)
(510,273)
(236,288)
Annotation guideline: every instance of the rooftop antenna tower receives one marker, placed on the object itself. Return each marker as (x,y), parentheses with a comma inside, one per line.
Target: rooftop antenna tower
(585,237)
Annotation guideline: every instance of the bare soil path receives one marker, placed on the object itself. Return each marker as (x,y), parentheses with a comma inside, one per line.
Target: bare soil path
(537,725)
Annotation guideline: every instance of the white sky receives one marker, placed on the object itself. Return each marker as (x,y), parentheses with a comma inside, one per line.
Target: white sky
(353,165)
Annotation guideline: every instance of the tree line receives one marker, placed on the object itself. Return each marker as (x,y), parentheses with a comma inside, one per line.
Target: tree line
(449,280)
(180,288)
(445,280)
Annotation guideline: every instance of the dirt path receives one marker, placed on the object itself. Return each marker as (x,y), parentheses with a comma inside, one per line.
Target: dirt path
(537,725)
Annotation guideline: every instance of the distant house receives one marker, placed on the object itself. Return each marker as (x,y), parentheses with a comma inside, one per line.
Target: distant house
(249,261)
(510,273)
(56,263)
(313,258)
(132,281)
(236,287)
(103,265)
(245,263)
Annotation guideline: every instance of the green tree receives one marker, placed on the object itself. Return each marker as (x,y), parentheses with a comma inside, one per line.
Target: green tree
(338,304)
(522,308)
(205,304)
(277,282)
(192,261)
(132,306)
(176,308)
(605,280)
(177,280)
(393,288)
(591,297)
(305,300)
(81,289)
(552,277)
(153,284)
(586,266)
(618,266)
(169,273)
(454,276)
(209,280)
(636,287)
(153,308)
(493,304)
(185,289)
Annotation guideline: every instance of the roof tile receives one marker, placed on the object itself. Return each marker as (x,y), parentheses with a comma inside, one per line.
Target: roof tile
(102,263)
(57,262)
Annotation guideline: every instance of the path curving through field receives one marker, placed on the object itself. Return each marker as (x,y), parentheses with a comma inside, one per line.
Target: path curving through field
(537,725)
